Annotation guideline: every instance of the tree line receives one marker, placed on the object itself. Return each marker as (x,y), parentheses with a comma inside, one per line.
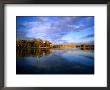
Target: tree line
(38,43)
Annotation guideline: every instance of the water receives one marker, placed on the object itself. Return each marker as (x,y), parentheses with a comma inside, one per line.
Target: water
(54,61)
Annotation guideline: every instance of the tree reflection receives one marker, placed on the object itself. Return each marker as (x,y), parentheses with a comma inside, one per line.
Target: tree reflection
(33,52)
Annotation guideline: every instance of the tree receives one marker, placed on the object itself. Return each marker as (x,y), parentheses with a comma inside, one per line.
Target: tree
(47,43)
(39,43)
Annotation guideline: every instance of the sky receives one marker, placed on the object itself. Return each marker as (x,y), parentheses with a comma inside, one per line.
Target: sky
(56,29)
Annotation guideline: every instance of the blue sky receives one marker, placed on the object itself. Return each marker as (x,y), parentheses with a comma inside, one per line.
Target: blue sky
(57,29)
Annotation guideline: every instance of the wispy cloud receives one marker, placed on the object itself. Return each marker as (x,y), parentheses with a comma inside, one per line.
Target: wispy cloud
(58,29)
(89,36)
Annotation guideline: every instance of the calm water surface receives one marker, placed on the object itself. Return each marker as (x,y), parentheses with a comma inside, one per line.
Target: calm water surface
(54,61)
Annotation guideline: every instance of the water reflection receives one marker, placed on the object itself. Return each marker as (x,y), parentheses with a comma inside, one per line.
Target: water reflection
(32,52)
(54,61)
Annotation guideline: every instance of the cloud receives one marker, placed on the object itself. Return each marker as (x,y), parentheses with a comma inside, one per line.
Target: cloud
(21,34)
(89,36)
(55,28)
